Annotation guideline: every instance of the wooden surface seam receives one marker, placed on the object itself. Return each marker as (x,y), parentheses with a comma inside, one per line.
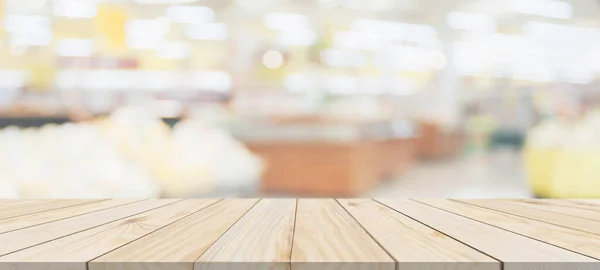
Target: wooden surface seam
(300,234)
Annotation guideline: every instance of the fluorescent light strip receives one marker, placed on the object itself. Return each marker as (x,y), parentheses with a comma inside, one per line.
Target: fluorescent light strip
(545,8)
(207,31)
(190,14)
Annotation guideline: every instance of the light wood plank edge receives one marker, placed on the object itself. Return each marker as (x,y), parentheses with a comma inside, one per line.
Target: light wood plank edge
(47,210)
(170,265)
(562,207)
(256,265)
(592,264)
(458,265)
(259,265)
(92,227)
(367,231)
(493,263)
(492,225)
(388,263)
(492,211)
(67,217)
(85,264)
(200,265)
(532,218)
(587,204)
(160,263)
(158,229)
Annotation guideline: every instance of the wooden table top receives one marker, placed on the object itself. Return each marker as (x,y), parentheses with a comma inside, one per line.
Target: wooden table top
(303,234)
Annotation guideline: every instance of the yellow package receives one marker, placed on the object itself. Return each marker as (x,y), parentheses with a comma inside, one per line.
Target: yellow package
(577,174)
(539,167)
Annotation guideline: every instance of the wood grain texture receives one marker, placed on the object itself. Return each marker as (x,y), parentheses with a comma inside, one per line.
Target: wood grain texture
(517,252)
(523,210)
(266,232)
(558,207)
(589,201)
(412,244)
(581,242)
(592,205)
(10,204)
(178,246)
(24,238)
(327,237)
(20,222)
(31,207)
(73,251)
(304,234)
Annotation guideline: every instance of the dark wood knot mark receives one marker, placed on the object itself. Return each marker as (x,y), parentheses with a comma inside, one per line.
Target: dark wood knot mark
(134,220)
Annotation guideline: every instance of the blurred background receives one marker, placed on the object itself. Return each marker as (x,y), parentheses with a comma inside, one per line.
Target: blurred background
(314,98)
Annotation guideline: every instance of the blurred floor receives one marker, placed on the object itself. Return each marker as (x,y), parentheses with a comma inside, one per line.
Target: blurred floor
(497,175)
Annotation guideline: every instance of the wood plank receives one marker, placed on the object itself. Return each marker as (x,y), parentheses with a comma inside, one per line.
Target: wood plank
(327,237)
(557,206)
(592,205)
(578,241)
(515,251)
(11,204)
(269,226)
(176,246)
(74,251)
(412,244)
(524,210)
(39,206)
(20,222)
(592,201)
(24,238)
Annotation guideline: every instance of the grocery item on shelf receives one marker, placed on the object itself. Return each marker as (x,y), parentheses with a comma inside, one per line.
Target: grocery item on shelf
(201,144)
(69,161)
(143,138)
(130,154)
(540,153)
(563,160)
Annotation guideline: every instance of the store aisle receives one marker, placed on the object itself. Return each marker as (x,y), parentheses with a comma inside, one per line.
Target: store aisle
(498,175)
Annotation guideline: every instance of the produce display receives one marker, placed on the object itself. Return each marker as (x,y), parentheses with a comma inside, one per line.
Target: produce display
(131,154)
(563,158)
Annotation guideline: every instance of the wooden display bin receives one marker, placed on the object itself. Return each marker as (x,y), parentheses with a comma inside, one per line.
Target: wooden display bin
(396,156)
(434,143)
(345,169)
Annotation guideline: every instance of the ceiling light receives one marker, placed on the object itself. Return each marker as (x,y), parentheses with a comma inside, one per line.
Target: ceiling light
(297,83)
(190,14)
(546,8)
(164,2)
(173,50)
(471,21)
(148,29)
(328,3)
(557,33)
(219,81)
(25,23)
(273,59)
(285,21)
(418,33)
(207,31)
(75,8)
(38,37)
(341,58)
(298,38)
(437,60)
(37,4)
(75,47)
